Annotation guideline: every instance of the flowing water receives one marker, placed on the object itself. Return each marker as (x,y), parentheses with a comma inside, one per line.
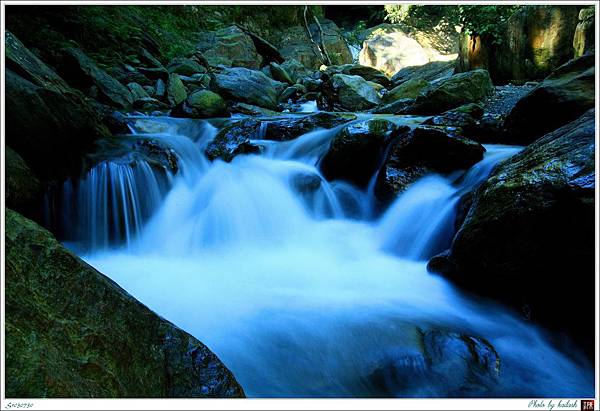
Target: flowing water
(293,281)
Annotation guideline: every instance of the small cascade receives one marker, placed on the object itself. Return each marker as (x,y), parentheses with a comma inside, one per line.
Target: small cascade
(420,223)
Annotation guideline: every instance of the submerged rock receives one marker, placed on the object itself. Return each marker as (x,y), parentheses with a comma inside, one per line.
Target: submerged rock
(562,97)
(356,150)
(446,364)
(530,224)
(79,335)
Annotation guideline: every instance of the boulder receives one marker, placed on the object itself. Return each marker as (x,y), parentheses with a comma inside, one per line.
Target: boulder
(149,104)
(454,91)
(409,89)
(147,58)
(248,86)
(530,224)
(391,50)
(137,91)
(230,47)
(250,110)
(584,38)
(464,116)
(295,69)
(160,89)
(292,93)
(233,140)
(176,91)
(562,97)
(535,40)
(291,127)
(80,335)
(425,150)
(351,93)
(24,191)
(279,74)
(201,104)
(294,43)
(83,73)
(432,71)
(366,72)
(355,151)
(49,129)
(268,51)
(400,106)
(185,66)
(155,73)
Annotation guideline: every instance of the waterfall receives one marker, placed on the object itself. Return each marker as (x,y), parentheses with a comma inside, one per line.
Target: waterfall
(289,278)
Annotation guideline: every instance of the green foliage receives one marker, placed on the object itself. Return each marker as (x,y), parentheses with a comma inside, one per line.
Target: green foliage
(474,19)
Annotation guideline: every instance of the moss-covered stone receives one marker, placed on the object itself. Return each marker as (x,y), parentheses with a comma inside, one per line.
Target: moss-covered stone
(23,189)
(72,332)
(409,89)
(531,225)
(201,104)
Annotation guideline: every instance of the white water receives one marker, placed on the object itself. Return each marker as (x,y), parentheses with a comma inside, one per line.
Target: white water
(300,293)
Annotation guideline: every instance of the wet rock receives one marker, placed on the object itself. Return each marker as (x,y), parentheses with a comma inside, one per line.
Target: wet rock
(531,222)
(233,140)
(424,150)
(443,363)
(160,89)
(248,86)
(231,47)
(464,116)
(79,334)
(149,104)
(83,73)
(355,151)
(312,84)
(562,97)
(293,93)
(454,91)
(292,127)
(201,104)
(250,110)
(155,73)
(350,93)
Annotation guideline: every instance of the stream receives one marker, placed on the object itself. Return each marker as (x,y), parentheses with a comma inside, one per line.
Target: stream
(302,287)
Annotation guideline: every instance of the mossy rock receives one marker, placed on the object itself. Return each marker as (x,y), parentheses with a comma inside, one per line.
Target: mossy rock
(71,332)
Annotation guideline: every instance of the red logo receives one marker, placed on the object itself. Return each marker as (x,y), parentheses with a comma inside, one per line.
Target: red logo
(587,405)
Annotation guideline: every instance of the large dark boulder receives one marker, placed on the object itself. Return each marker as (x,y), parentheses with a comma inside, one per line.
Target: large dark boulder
(78,334)
(248,86)
(454,91)
(356,150)
(562,97)
(528,237)
(83,74)
(424,150)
